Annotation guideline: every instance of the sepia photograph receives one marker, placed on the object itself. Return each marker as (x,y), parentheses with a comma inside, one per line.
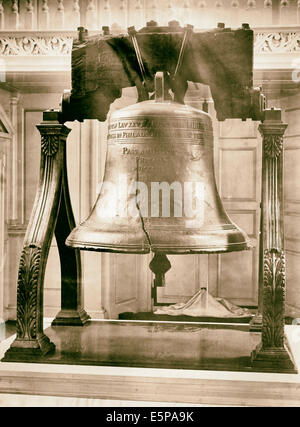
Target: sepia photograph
(149,206)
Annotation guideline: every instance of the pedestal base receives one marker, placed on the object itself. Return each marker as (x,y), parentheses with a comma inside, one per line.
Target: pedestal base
(273,360)
(29,350)
(256,323)
(147,387)
(170,345)
(71,318)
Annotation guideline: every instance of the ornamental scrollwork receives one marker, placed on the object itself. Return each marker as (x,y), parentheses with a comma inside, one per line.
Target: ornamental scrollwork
(27,293)
(265,42)
(277,42)
(273,299)
(49,144)
(272,145)
(36,45)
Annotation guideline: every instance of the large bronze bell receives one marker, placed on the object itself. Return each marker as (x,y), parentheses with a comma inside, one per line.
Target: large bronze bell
(159,192)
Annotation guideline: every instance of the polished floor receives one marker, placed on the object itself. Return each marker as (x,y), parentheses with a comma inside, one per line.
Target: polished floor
(154,345)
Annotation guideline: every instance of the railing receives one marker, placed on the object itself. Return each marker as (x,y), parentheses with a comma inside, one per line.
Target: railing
(41,15)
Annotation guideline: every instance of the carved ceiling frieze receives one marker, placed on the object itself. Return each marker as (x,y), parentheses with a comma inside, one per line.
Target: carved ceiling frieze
(277,42)
(36,45)
(265,42)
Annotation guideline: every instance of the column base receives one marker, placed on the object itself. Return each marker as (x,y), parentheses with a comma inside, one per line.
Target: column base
(71,318)
(273,359)
(29,350)
(256,323)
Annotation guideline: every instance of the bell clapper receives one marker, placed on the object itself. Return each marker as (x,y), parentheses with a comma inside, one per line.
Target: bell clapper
(159,265)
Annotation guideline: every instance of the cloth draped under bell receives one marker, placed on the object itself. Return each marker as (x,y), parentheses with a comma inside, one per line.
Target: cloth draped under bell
(202,304)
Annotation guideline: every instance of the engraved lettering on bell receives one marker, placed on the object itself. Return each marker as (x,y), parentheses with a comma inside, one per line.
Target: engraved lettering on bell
(156,127)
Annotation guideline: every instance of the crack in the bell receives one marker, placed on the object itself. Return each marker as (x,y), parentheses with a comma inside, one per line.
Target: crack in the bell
(143,226)
(138,206)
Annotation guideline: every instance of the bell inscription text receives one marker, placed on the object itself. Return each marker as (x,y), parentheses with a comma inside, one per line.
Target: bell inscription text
(180,129)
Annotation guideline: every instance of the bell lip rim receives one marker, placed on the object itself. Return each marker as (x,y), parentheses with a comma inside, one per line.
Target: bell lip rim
(232,247)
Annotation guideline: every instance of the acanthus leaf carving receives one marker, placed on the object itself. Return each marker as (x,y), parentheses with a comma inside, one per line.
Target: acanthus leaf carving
(272,145)
(36,45)
(27,292)
(277,42)
(273,299)
(49,143)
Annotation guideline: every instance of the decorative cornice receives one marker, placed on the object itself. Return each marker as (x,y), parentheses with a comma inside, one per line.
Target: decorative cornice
(53,44)
(35,45)
(277,42)
(49,51)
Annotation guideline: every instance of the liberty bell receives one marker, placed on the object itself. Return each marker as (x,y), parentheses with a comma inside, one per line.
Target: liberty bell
(159,192)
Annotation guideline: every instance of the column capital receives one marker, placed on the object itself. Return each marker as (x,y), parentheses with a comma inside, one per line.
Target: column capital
(51,133)
(272,130)
(273,117)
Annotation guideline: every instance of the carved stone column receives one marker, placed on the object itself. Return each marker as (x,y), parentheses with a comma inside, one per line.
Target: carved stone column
(272,353)
(52,212)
